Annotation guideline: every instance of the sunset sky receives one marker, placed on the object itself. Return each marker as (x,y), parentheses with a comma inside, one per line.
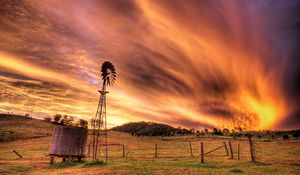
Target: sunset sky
(208,63)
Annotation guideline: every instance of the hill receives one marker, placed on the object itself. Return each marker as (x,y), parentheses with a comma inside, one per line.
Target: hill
(150,129)
(14,127)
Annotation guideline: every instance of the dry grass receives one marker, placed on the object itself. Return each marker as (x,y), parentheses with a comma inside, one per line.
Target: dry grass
(278,157)
(21,127)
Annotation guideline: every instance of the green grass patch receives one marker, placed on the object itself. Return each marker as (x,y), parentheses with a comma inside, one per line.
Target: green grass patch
(267,170)
(95,163)
(267,140)
(13,169)
(214,165)
(236,170)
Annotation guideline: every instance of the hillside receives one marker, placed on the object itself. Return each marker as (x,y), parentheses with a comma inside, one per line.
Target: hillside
(14,127)
(150,129)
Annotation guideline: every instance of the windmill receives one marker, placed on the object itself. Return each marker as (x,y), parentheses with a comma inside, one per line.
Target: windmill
(99,133)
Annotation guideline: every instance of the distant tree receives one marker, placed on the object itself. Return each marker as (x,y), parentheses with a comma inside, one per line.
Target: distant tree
(220,133)
(92,122)
(83,123)
(67,120)
(56,118)
(285,136)
(192,130)
(226,131)
(296,133)
(149,129)
(240,129)
(215,130)
(206,131)
(27,115)
(47,119)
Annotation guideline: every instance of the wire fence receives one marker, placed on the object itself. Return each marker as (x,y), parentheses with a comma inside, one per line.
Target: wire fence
(213,149)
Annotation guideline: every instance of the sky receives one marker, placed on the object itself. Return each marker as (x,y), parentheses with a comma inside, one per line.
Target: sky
(195,64)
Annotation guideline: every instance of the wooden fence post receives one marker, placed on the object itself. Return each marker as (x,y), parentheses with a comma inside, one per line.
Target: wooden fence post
(191,149)
(201,153)
(238,151)
(155,150)
(251,148)
(225,146)
(52,160)
(123,150)
(19,155)
(231,152)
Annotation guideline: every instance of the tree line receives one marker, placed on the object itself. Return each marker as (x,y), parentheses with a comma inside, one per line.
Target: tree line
(66,120)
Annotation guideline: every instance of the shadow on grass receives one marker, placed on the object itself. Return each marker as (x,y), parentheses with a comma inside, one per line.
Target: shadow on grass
(261,163)
(64,165)
(82,164)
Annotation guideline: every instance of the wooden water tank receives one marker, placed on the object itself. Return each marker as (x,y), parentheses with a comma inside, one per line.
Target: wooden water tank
(69,141)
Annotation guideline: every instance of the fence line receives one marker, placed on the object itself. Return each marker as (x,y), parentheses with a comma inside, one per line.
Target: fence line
(184,149)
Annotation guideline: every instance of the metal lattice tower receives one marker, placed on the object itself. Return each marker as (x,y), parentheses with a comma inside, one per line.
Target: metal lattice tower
(99,133)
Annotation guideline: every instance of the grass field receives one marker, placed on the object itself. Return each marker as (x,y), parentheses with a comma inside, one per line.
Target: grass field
(280,157)
(14,127)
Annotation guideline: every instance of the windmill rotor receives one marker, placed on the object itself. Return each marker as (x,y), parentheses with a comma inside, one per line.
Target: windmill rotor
(108,73)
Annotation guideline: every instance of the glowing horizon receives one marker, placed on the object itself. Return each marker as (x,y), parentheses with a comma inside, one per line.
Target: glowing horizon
(215,64)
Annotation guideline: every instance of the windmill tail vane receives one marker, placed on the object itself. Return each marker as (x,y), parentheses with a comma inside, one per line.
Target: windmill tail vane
(99,132)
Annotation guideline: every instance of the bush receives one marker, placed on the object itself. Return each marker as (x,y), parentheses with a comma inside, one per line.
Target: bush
(67,121)
(285,137)
(83,123)
(296,133)
(56,118)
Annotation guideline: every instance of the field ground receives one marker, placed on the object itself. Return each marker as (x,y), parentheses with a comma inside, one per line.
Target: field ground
(14,127)
(277,157)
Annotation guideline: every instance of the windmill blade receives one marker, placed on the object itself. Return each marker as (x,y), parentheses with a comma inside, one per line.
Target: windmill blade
(108,73)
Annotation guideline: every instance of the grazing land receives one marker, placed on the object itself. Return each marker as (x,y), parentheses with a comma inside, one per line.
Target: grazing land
(13,127)
(173,155)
